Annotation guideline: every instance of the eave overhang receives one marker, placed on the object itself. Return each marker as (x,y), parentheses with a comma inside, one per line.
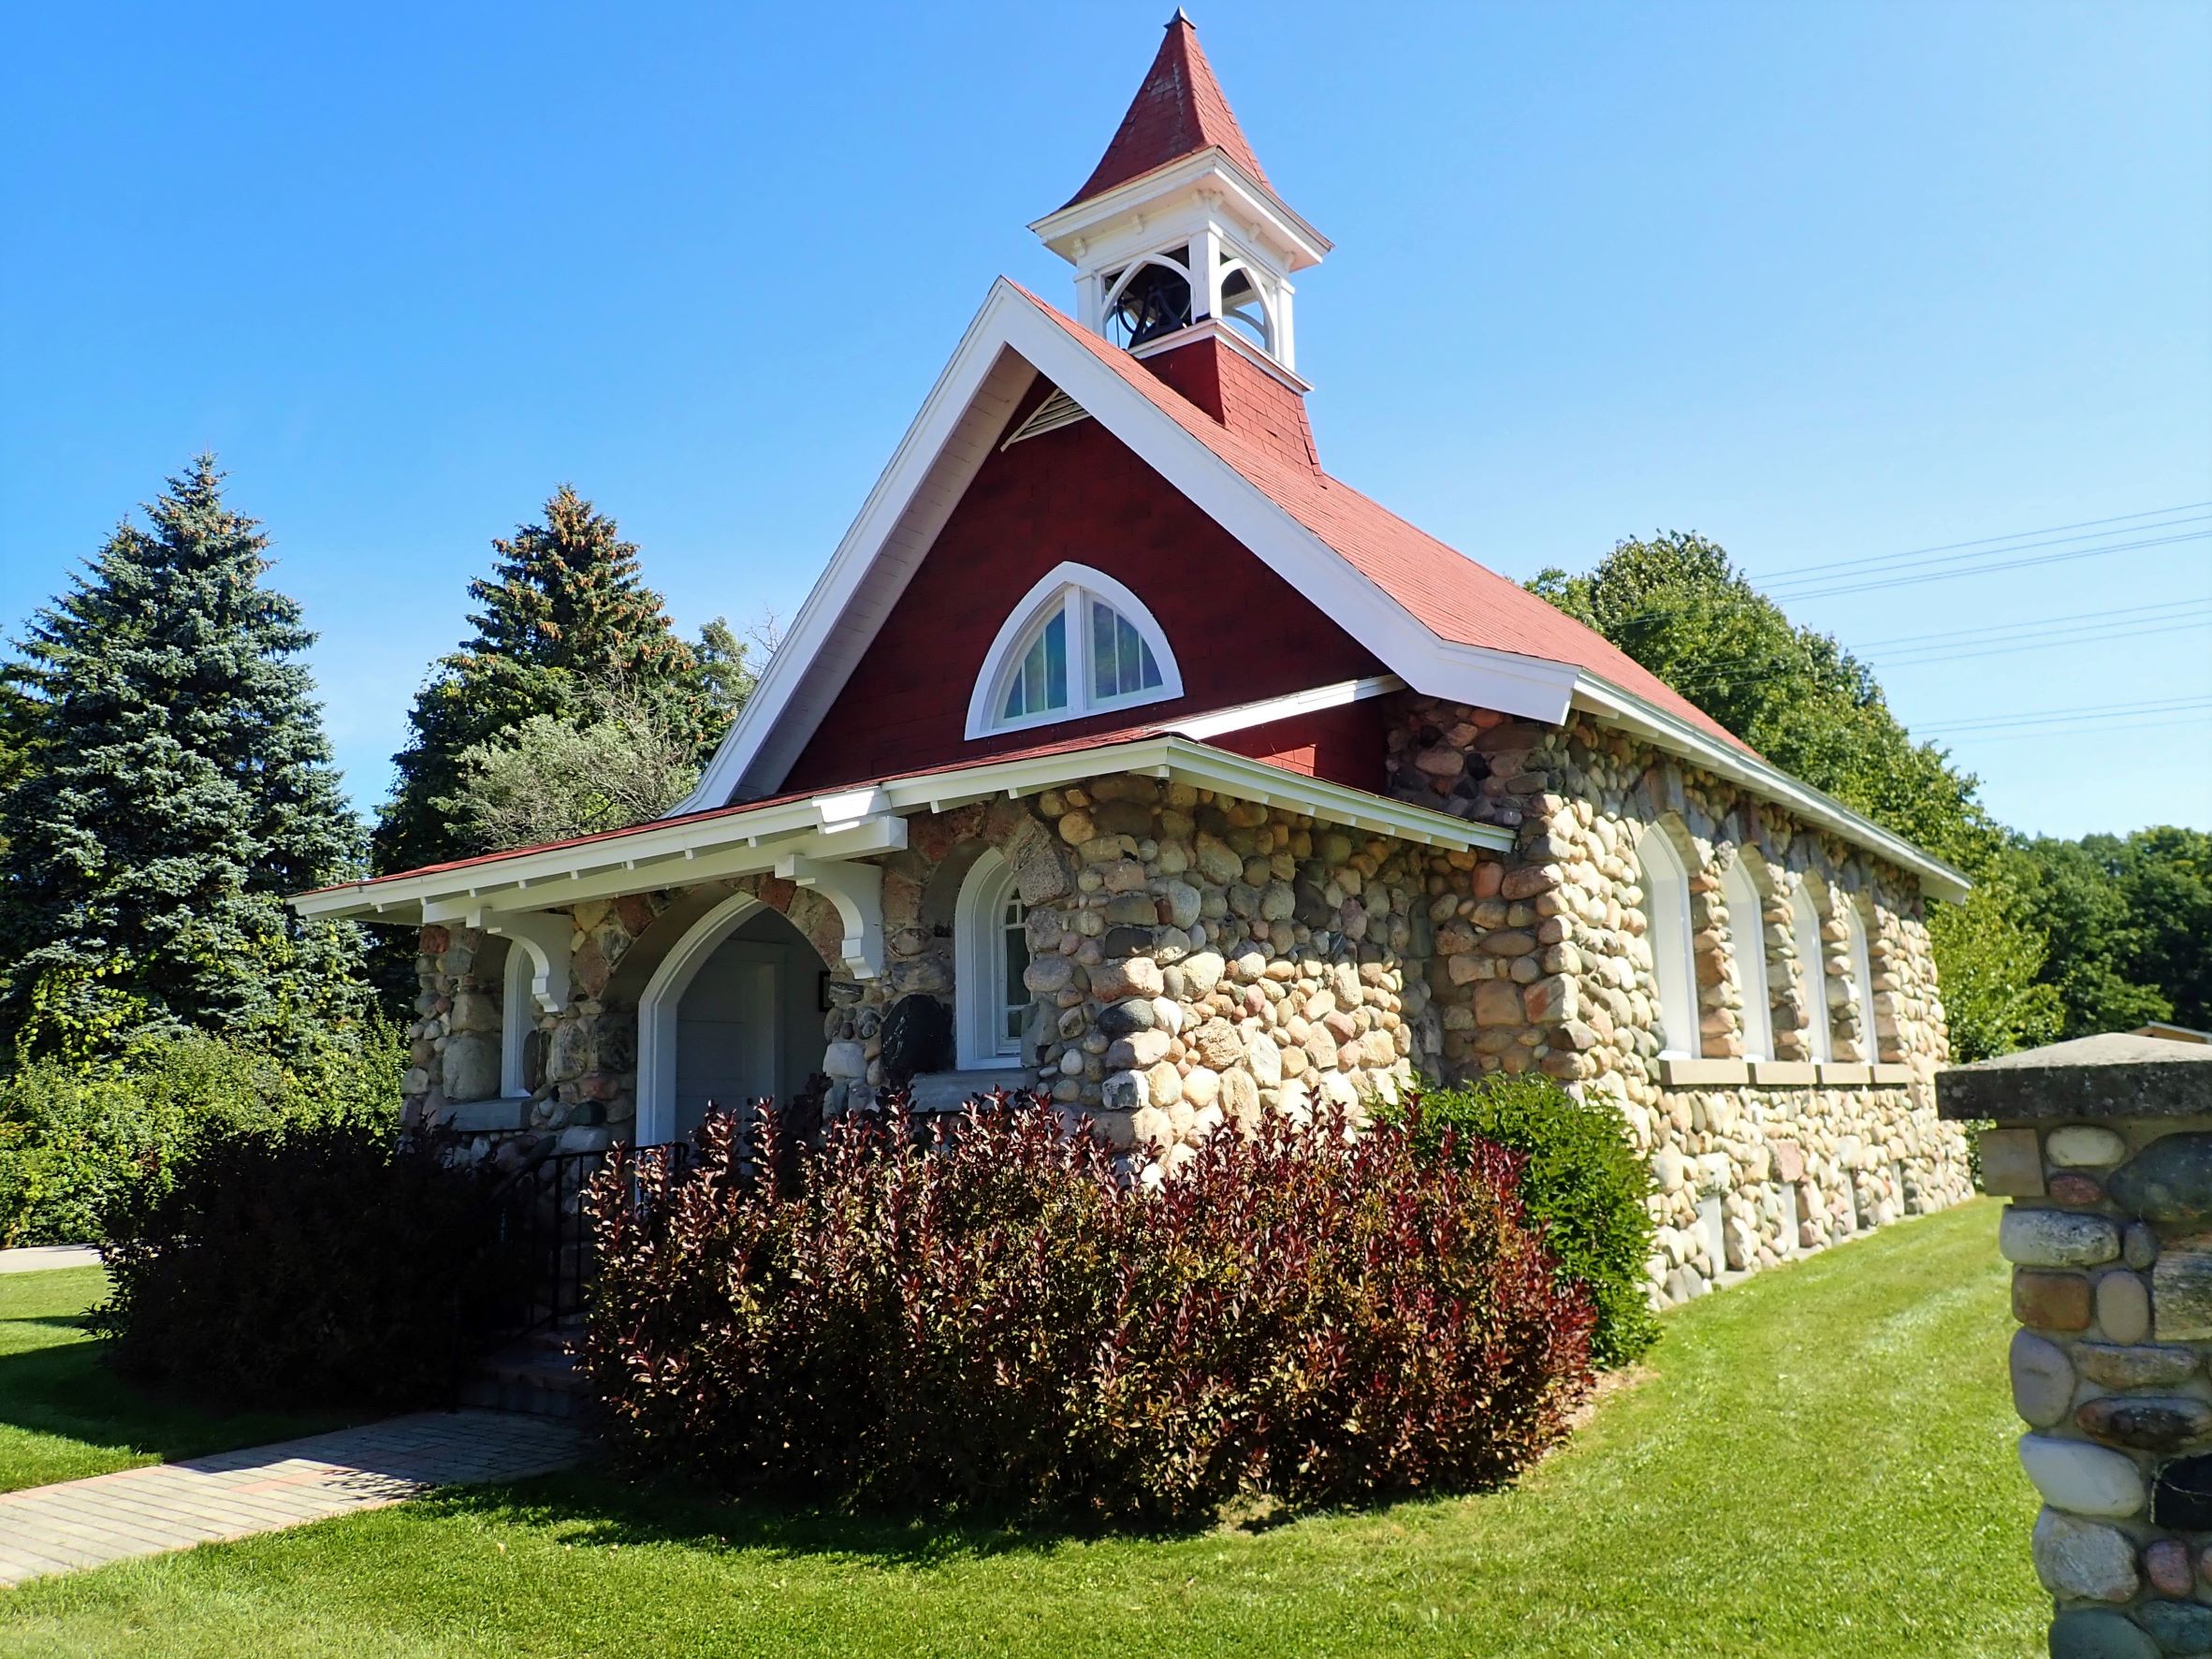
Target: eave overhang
(799,836)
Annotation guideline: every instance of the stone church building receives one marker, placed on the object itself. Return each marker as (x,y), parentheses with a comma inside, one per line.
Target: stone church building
(1122,752)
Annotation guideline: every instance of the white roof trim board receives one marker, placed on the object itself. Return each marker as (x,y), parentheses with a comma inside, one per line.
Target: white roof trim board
(855,823)
(1008,344)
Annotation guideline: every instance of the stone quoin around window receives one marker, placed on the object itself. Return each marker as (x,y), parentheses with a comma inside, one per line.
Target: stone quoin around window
(1078,644)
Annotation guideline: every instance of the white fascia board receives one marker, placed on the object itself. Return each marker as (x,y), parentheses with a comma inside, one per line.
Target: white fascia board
(1245,199)
(1215,328)
(1674,735)
(822,828)
(770,731)
(1247,715)
(911,464)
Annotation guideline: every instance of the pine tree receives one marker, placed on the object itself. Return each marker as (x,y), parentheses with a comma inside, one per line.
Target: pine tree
(564,612)
(175,785)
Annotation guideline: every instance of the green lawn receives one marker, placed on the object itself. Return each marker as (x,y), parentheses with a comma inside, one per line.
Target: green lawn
(1817,1463)
(64,1415)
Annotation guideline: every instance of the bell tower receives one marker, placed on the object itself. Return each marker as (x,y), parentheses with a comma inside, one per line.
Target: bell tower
(1177,233)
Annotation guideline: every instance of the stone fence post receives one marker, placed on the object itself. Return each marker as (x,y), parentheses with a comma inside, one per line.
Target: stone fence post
(2105,1147)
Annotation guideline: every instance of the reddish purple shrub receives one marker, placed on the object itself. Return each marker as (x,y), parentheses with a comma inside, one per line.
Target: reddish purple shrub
(986,1319)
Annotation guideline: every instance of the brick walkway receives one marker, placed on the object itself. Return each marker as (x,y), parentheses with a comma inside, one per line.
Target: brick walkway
(232,1494)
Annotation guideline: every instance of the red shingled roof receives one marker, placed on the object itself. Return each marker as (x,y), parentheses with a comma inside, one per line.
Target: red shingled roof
(1178,112)
(1457,599)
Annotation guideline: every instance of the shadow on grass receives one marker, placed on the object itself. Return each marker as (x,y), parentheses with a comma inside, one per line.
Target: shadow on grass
(601,1508)
(62,1387)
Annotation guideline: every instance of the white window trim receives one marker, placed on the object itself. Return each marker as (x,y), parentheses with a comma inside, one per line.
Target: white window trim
(1667,929)
(1747,946)
(1813,974)
(518,1018)
(1066,585)
(978,971)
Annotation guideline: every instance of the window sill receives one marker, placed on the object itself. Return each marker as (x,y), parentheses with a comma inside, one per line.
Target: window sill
(1784,1073)
(1683,1071)
(501,1112)
(948,1091)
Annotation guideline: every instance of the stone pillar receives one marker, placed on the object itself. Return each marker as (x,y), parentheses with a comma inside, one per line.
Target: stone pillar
(2103,1146)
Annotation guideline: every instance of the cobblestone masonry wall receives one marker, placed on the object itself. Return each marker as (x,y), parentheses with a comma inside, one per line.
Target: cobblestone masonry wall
(1544,965)
(1195,960)
(2112,1287)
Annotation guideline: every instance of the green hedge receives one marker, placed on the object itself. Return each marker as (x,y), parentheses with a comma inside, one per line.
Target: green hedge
(1583,1182)
(74,1140)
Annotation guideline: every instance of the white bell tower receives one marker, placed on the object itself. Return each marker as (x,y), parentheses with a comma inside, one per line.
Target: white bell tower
(1177,232)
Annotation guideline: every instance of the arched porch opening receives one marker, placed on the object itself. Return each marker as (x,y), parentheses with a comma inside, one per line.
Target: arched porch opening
(733,1015)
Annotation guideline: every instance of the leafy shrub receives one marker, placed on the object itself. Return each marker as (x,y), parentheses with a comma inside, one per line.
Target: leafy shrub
(986,1319)
(1582,1182)
(73,1140)
(309,1265)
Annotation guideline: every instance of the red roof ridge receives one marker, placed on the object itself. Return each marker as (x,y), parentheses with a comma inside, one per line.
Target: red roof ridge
(1178,111)
(1459,600)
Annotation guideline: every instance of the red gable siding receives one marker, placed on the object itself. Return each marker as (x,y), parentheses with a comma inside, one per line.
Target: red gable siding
(1240,633)
(1344,745)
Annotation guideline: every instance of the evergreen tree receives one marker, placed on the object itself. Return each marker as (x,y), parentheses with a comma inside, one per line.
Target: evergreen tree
(174,785)
(1679,607)
(565,613)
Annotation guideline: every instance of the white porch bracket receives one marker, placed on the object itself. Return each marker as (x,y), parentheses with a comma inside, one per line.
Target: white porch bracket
(545,937)
(541,936)
(858,891)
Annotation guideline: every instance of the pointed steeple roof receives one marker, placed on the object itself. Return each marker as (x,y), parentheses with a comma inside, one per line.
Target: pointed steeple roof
(1178,112)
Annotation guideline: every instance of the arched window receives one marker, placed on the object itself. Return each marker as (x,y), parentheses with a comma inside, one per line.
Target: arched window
(518,1018)
(1078,643)
(1245,304)
(1666,918)
(1862,980)
(1747,946)
(1812,973)
(990,958)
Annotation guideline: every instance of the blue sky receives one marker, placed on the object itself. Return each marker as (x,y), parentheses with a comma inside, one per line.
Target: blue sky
(1823,282)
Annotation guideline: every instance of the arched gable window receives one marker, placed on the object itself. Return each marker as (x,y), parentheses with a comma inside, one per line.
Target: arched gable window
(1862,979)
(1078,644)
(1666,917)
(990,958)
(1812,973)
(1747,946)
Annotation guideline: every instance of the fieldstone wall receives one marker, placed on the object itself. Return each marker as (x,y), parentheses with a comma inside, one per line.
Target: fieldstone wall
(1542,964)
(2107,1159)
(1213,959)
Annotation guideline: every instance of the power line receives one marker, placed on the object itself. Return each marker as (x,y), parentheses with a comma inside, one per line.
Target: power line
(1983,570)
(2132,632)
(2194,724)
(2070,716)
(2076,616)
(1787,571)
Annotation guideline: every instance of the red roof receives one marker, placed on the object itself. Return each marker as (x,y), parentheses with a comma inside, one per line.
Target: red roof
(1178,112)
(1457,600)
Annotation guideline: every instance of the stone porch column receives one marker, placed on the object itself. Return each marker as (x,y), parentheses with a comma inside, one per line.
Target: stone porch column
(2103,1146)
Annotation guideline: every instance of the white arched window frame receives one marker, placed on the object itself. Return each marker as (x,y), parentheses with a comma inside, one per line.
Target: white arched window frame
(1068,594)
(1194,300)
(518,1018)
(990,957)
(1812,973)
(1747,946)
(1667,929)
(1862,980)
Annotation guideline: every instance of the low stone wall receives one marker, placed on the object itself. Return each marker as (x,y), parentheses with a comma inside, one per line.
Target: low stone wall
(2104,1148)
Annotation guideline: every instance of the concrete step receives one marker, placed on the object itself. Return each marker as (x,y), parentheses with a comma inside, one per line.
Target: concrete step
(539,1374)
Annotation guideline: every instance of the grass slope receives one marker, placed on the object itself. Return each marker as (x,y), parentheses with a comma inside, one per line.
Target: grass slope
(64,1415)
(1818,1462)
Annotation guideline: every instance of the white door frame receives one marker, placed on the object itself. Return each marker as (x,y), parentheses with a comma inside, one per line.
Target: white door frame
(657,1010)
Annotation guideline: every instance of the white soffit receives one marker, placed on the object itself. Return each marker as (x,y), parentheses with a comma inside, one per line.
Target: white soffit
(858,822)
